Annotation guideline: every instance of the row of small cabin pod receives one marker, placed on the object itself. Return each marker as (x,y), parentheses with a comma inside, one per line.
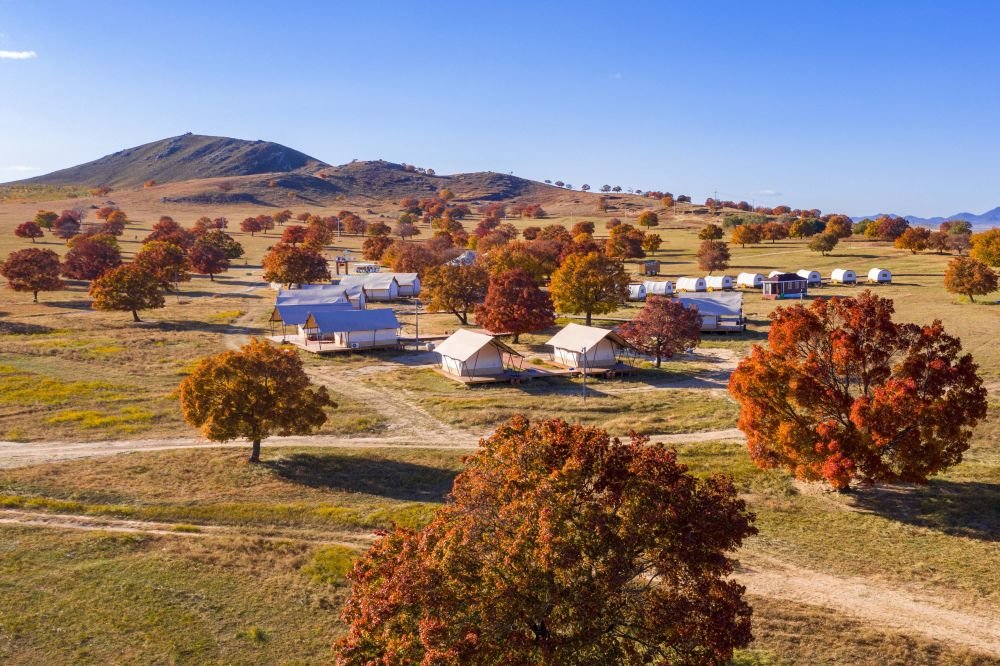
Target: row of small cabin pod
(639,291)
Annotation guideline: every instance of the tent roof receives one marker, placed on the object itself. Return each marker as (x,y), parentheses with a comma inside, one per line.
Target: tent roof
(295,314)
(343,320)
(370,280)
(463,344)
(576,337)
(715,303)
(317,294)
(786,277)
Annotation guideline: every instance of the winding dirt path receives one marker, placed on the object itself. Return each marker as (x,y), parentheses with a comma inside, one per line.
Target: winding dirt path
(105,524)
(893,608)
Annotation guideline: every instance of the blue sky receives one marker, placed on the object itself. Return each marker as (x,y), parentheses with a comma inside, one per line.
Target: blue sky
(856,107)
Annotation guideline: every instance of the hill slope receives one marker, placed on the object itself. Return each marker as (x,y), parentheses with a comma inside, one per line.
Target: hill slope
(987,220)
(180,158)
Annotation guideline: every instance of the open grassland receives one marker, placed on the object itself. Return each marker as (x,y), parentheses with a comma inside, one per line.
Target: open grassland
(204,559)
(609,404)
(199,592)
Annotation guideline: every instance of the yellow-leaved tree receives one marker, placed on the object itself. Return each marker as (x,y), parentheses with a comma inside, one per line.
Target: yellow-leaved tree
(253,393)
(589,284)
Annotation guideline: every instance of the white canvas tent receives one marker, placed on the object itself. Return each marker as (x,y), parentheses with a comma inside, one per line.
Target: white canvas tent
(690,284)
(718,282)
(578,346)
(473,354)
(775,274)
(636,292)
(750,280)
(658,288)
(812,278)
(843,276)
(879,275)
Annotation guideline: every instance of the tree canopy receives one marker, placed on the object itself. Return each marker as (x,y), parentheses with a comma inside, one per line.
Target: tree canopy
(290,265)
(455,289)
(251,394)
(32,269)
(128,288)
(841,391)
(515,304)
(970,277)
(589,284)
(560,545)
(663,328)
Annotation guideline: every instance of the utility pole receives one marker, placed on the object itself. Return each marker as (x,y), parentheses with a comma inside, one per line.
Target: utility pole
(584,352)
(416,318)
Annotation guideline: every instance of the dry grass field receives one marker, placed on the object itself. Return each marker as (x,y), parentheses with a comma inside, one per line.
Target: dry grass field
(222,562)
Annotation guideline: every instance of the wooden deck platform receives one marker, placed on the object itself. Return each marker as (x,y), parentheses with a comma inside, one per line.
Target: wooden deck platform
(534,372)
(315,347)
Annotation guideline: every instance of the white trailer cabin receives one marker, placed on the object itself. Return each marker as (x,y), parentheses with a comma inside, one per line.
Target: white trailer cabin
(843,276)
(750,280)
(879,276)
(658,288)
(718,282)
(473,354)
(636,292)
(690,284)
(578,346)
(812,278)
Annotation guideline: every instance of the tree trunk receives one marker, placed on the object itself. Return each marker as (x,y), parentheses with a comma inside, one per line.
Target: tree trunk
(657,360)
(516,337)
(211,277)
(588,318)
(971,299)
(255,452)
(36,295)
(135,316)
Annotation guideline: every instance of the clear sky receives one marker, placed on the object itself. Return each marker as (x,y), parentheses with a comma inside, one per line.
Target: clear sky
(856,107)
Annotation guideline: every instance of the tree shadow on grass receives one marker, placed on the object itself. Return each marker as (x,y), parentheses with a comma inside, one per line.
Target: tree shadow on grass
(969,509)
(21,328)
(206,327)
(392,479)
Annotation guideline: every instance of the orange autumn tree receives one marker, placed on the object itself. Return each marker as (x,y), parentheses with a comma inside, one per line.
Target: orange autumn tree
(251,394)
(560,545)
(842,392)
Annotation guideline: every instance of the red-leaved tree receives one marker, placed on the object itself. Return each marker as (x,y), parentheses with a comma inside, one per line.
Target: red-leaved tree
(842,392)
(32,269)
(663,328)
(561,545)
(515,304)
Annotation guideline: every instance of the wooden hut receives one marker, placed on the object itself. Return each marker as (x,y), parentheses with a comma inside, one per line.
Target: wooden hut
(785,285)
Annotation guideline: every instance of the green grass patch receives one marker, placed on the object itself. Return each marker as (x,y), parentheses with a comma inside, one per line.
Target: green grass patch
(330,564)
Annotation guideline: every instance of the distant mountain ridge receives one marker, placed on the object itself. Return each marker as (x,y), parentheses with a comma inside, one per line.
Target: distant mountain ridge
(185,157)
(263,172)
(987,220)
